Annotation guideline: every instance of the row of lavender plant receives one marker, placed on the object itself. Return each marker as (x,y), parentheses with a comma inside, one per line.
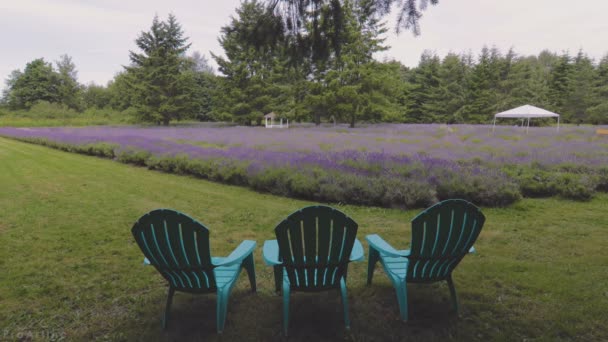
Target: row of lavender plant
(390,165)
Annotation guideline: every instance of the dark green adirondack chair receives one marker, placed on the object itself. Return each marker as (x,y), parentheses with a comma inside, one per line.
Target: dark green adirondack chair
(441,236)
(311,253)
(178,247)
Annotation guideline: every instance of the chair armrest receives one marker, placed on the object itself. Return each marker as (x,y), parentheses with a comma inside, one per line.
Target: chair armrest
(383,247)
(241,252)
(271,253)
(357,253)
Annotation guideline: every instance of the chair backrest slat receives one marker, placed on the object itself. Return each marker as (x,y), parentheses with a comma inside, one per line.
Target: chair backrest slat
(441,236)
(178,246)
(315,245)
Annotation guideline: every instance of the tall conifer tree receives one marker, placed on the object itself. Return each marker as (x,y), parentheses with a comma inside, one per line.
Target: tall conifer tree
(162,87)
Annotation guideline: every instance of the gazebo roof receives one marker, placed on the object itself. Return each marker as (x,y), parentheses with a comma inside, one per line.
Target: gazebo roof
(271,115)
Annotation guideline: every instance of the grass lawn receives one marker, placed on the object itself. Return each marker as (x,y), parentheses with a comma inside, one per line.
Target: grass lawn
(69,267)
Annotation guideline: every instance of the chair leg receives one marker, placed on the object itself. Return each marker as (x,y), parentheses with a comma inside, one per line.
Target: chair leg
(222,309)
(286,292)
(344,302)
(374,256)
(168,306)
(278,278)
(401,289)
(250,268)
(453,293)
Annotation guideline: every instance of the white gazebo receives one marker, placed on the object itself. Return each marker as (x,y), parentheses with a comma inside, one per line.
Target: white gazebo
(271,116)
(526,112)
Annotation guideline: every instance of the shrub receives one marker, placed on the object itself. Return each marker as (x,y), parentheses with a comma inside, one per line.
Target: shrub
(408,193)
(304,185)
(536,183)
(43,109)
(133,156)
(482,188)
(602,179)
(272,180)
(576,187)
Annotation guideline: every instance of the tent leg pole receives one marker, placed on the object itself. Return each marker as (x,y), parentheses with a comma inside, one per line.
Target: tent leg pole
(528,126)
(558,124)
(494,125)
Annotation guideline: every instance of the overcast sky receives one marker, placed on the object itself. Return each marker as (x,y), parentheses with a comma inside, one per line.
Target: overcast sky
(98,34)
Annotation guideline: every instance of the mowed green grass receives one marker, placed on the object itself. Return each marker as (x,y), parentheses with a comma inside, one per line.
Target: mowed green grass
(69,267)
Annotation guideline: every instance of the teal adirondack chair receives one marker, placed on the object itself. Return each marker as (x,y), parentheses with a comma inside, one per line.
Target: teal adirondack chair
(311,253)
(441,236)
(178,247)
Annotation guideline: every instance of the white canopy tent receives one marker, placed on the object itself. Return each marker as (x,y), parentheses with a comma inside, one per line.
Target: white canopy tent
(526,112)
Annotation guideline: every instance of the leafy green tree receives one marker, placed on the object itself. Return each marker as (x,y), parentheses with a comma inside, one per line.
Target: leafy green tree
(96,96)
(122,90)
(205,83)
(38,82)
(9,84)
(69,90)
(162,85)
(200,63)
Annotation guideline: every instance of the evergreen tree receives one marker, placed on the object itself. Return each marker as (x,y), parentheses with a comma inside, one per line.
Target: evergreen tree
(423,97)
(581,89)
(483,87)
(122,90)
(307,14)
(205,82)
(254,65)
(525,84)
(355,81)
(560,86)
(451,94)
(162,86)
(598,113)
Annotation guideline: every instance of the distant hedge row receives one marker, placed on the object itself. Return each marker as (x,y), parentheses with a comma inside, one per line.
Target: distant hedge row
(413,186)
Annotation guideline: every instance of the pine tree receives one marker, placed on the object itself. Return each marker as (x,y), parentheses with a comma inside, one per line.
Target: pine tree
(162,87)
(452,88)
(422,99)
(560,86)
(307,14)
(581,88)
(254,67)
(355,85)
(598,112)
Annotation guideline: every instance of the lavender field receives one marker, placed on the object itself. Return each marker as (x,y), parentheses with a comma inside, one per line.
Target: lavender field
(386,165)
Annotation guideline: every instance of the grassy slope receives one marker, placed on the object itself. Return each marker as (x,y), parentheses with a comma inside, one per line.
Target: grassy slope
(69,264)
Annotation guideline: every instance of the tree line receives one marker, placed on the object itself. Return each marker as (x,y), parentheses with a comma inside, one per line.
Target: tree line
(321,69)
